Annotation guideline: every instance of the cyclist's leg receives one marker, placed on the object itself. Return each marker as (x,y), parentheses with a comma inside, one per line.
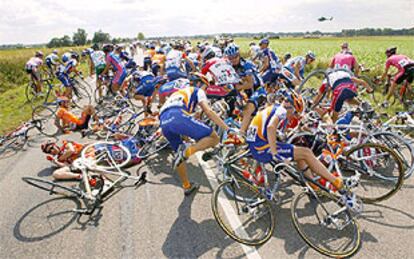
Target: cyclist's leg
(305,154)
(248,111)
(65,173)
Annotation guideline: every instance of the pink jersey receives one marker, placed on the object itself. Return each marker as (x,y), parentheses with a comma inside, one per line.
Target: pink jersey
(343,60)
(34,62)
(398,61)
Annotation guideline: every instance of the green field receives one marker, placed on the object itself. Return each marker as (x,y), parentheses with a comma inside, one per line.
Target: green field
(368,50)
(13,79)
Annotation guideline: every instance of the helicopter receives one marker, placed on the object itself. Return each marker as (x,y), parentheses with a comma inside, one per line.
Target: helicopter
(323,18)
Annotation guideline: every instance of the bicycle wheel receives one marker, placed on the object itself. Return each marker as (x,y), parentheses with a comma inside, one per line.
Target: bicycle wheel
(324,225)
(401,146)
(362,91)
(155,143)
(47,118)
(107,155)
(311,83)
(52,187)
(379,168)
(31,95)
(249,220)
(80,97)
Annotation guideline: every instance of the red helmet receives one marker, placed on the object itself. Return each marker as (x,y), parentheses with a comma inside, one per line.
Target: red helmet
(46,146)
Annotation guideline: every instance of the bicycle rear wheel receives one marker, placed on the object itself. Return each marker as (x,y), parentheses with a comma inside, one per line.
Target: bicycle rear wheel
(52,187)
(324,225)
(249,219)
(47,118)
(80,97)
(380,169)
(107,155)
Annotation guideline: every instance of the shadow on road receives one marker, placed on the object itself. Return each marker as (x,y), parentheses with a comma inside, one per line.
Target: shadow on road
(46,219)
(388,216)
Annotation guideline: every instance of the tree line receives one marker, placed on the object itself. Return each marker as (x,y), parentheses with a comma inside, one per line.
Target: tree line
(80,38)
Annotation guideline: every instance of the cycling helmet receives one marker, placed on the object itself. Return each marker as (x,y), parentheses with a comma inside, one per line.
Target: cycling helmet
(252,44)
(198,80)
(55,51)
(287,56)
(119,47)
(232,50)
(46,146)
(344,45)
(311,55)
(65,58)
(295,99)
(264,41)
(39,54)
(208,53)
(391,51)
(107,48)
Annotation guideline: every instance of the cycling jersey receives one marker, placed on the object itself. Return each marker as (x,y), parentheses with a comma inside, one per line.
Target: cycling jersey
(401,62)
(98,58)
(33,63)
(159,59)
(221,70)
(291,65)
(73,121)
(217,51)
(52,59)
(114,60)
(274,62)
(335,79)
(247,68)
(257,135)
(173,86)
(254,50)
(344,61)
(70,66)
(77,147)
(144,82)
(185,99)
(173,59)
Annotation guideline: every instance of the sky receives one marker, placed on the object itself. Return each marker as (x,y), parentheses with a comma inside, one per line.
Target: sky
(37,21)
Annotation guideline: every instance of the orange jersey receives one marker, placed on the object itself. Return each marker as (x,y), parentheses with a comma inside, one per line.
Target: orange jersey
(67,117)
(159,58)
(78,149)
(149,53)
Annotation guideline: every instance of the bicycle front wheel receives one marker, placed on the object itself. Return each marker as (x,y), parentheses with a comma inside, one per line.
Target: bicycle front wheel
(248,219)
(379,168)
(47,118)
(324,225)
(107,155)
(52,187)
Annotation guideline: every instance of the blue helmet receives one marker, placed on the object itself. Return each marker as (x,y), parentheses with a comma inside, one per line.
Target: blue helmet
(65,58)
(311,55)
(264,41)
(231,50)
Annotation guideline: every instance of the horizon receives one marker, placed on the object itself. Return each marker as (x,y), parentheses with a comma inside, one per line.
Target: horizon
(38,21)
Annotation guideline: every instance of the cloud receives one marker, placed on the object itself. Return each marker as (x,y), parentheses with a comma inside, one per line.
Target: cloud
(39,20)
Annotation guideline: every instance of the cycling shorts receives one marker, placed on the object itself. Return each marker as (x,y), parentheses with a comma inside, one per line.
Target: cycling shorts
(119,77)
(145,89)
(341,94)
(176,123)
(262,152)
(174,73)
(406,74)
(64,78)
(99,69)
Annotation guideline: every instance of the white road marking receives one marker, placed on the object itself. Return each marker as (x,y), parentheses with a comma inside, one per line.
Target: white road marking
(251,252)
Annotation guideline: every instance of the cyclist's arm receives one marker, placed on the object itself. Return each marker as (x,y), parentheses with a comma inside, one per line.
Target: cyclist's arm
(384,75)
(265,65)
(356,68)
(191,63)
(91,66)
(297,70)
(271,134)
(361,82)
(247,83)
(212,115)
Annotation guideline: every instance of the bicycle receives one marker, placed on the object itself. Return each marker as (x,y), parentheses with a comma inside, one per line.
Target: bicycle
(93,187)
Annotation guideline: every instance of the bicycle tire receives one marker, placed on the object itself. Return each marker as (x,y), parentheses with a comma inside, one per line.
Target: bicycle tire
(371,95)
(52,187)
(371,175)
(80,97)
(401,146)
(315,73)
(47,118)
(105,157)
(307,230)
(156,144)
(233,231)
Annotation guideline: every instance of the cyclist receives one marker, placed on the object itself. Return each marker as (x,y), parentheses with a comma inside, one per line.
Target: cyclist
(67,121)
(344,89)
(114,62)
(264,146)
(405,67)
(194,57)
(176,121)
(63,157)
(148,54)
(254,51)
(33,67)
(345,60)
(52,61)
(64,72)
(271,64)
(144,84)
(293,71)
(174,61)
(250,84)
(158,62)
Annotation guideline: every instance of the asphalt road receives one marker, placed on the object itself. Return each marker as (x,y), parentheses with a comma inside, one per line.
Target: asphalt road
(157,221)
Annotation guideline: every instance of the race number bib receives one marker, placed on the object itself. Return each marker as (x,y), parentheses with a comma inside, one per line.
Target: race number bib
(403,62)
(224,73)
(251,134)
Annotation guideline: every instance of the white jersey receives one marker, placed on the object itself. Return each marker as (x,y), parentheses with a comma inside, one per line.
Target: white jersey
(34,62)
(98,58)
(337,76)
(174,58)
(254,50)
(217,51)
(53,58)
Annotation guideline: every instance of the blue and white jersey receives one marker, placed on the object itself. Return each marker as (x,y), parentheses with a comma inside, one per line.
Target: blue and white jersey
(174,59)
(52,58)
(291,63)
(247,68)
(274,62)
